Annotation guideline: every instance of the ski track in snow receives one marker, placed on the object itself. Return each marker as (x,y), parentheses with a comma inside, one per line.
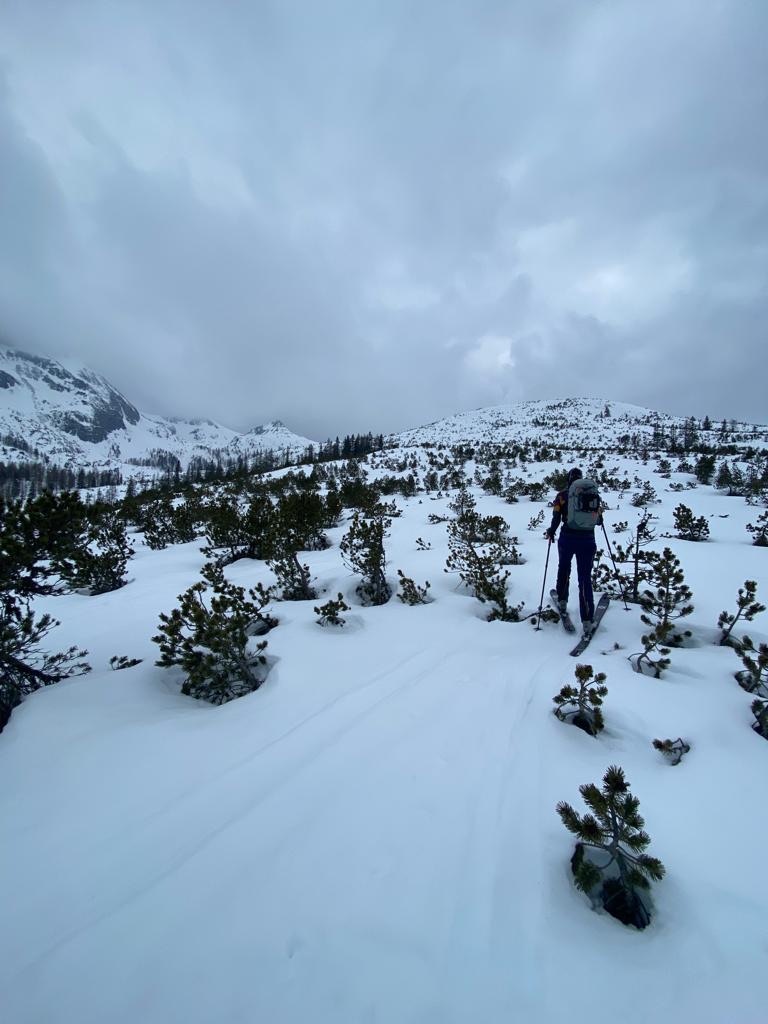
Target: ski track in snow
(371,836)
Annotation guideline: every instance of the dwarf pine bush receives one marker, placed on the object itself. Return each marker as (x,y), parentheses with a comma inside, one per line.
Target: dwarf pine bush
(688,526)
(410,592)
(209,636)
(582,704)
(759,530)
(673,750)
(25,664)
(362,551)
(754,676)
(293,578)
(329,614)
(669,600)
(747,607)
(609,862)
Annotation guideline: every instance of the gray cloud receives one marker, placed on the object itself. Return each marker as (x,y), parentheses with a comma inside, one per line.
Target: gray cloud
(363,216)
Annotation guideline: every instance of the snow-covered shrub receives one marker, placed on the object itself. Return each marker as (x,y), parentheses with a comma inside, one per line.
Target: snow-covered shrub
(760,711)
(536,491)
(300,519)
(466,518)
(688,527)
(121,661)
(410,592)
(362,551)
(164,521)
(423,545)
(747,607)
(294,580)
(329,614)
(673,750)
(209,636)
(668,601)
(705,468)
(234,530)
(97,562)
(609,862)
(754,676)
(630,560)
(480,570)
(645,496)
(759,530)
(581,704)
(25,666)
(536,521)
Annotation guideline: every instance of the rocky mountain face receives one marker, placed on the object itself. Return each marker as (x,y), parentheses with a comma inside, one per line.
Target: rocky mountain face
(73,417)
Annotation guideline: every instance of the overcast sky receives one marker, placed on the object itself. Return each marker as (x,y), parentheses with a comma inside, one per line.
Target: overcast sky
(365,214)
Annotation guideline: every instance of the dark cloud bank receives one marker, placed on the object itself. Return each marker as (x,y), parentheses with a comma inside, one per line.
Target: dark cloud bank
(364,215)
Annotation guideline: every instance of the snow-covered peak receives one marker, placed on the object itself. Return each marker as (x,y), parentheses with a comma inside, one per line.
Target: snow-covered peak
(72,416)
(566,421)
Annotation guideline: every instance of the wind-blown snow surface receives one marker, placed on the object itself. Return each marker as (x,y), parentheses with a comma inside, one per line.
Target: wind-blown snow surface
(372,836)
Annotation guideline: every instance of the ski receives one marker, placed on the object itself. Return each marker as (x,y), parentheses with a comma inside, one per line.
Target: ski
(600,609)
(565,618)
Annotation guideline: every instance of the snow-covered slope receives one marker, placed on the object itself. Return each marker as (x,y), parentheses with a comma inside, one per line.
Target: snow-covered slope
(568,422)
(372,836)
(73,417)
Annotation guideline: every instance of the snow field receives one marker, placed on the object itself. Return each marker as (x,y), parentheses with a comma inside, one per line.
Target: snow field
(372,836)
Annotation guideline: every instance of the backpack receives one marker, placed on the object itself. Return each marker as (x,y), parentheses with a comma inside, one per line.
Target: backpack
(583,505)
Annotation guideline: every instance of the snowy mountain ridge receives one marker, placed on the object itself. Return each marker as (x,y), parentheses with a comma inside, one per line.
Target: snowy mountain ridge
(74,417)
(71,416)
(567,422)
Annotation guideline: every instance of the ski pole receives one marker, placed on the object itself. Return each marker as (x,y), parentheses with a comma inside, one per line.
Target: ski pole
(543,585)
(615,569)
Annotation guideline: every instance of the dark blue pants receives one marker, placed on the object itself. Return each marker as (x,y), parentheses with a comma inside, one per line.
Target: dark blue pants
(584,547)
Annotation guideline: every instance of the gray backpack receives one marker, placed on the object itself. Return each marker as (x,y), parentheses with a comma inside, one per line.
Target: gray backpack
(583,505)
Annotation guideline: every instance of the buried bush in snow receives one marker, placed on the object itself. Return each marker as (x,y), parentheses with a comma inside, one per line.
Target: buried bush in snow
(673,750)
(581,705)
(760,711)
(24,665)
(330,612)
(120,661)
(754,676)
(759,530)
(210,634)
(609,863)
(410,592)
